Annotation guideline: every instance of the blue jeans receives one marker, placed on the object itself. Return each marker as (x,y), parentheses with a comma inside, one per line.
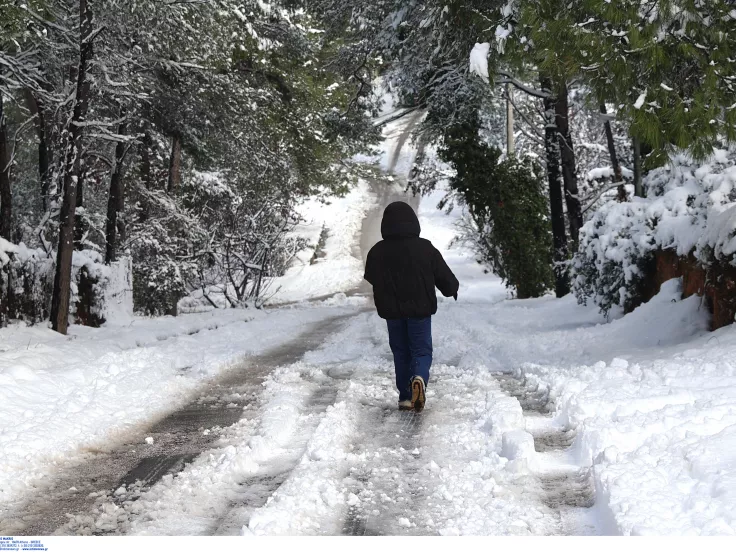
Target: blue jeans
(411,343)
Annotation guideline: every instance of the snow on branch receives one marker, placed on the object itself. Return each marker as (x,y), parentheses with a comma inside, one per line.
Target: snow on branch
(510,79)
(479,66)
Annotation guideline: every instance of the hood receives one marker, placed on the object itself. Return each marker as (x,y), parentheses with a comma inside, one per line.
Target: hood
(400,221)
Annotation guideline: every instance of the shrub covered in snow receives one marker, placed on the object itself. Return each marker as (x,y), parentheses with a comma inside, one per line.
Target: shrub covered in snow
(690,208)
(27,282)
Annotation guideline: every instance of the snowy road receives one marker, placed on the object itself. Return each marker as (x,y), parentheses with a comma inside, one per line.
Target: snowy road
(306,439)
(321,449)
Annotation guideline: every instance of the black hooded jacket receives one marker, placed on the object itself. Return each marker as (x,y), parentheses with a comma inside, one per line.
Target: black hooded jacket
(404,268)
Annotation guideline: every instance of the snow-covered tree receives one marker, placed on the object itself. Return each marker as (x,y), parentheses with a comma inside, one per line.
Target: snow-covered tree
(117,107)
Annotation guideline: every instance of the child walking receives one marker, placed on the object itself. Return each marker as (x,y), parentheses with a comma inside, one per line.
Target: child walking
(404,270)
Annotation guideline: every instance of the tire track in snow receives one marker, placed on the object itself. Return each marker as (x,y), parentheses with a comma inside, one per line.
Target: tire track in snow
(254,492)
(221,491)
(122,472)
(381,496)
(568,489)
(225,484)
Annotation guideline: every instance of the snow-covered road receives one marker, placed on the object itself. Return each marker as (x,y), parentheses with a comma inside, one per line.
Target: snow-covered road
(321,449)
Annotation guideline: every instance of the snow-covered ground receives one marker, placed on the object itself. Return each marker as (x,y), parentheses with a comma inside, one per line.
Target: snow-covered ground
(60,395)
(598,427)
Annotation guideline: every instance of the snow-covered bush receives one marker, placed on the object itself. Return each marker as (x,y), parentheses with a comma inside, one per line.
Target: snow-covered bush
(615,255)
(27,283)
(690,208)
(244,239)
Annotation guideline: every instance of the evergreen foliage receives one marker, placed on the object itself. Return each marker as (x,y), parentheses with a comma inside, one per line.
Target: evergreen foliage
(508,209)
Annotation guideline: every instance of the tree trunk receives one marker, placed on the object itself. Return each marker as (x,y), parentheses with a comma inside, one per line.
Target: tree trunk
(6,212)
(3,300)
(37,108)
(80,225)
(569,171)
(552,149)
(122,229)
(638,185)
(62,280)
(146,174)
(175,164)
(6,193)
(617,173)
(115,201)
(510,145)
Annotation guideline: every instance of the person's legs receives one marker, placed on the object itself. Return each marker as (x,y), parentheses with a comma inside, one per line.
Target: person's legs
(420,346)
(398,339)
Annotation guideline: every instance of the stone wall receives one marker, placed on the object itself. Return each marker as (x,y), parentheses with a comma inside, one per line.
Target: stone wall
(716,283)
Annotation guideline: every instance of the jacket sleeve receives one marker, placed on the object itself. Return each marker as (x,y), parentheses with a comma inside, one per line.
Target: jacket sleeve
(370,269)
(444,279)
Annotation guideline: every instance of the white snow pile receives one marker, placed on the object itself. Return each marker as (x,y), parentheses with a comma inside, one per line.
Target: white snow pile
(690,208)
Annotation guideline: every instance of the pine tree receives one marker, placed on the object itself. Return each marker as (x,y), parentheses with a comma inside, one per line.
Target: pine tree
(667,66)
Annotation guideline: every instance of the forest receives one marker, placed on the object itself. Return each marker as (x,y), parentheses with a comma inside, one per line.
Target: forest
(163,145)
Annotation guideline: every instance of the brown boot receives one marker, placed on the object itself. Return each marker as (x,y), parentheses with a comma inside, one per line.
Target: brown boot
(417,393)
